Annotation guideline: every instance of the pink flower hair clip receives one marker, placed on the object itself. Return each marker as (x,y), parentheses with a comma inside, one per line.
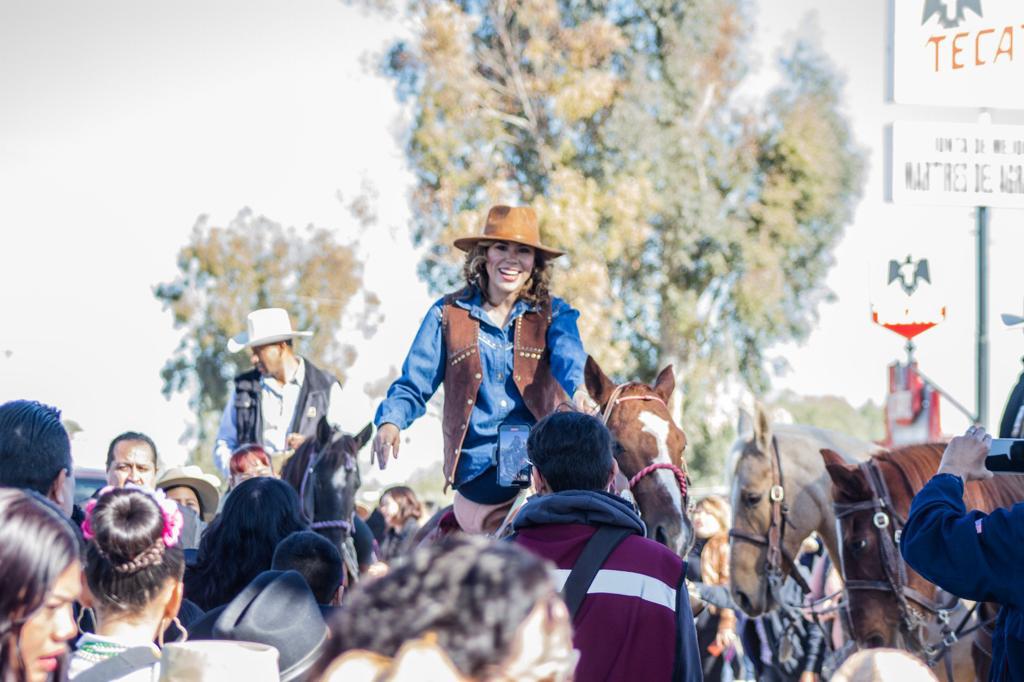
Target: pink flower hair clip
(90,506)
(173,520)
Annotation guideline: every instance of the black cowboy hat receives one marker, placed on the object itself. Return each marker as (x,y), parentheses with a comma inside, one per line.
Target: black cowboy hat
(276,608)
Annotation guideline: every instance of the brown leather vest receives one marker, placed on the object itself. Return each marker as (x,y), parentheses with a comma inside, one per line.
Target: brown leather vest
(463,373)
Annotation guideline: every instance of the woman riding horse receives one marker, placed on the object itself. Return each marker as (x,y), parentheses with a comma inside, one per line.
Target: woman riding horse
(507,352)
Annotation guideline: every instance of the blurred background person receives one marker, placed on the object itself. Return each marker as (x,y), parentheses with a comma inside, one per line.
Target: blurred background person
(248,461)
(709,573)
(883,665)
(316,559)
(402,512)
(192,488)
(41,576)
(134,565)
(35,452)
(239,544)
(489,608)
(132,458)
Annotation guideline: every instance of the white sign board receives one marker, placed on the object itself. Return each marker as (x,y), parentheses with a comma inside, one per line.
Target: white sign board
(957,164)
(958,53)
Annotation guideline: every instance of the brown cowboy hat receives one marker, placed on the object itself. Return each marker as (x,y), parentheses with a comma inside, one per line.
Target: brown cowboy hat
(516,224)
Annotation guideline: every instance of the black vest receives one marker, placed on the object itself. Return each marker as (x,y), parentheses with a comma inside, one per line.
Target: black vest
(314,399)
(1014,404)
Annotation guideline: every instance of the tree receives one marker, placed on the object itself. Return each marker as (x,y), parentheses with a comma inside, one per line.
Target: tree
(253,262)
(699,226)
(866,422)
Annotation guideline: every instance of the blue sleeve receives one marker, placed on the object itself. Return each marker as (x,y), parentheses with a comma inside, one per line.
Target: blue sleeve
(567,355)
(688,661)
(969,554)
(227,436)
(422,373)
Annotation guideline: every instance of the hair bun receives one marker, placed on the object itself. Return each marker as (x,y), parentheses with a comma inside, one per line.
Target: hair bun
(127,524)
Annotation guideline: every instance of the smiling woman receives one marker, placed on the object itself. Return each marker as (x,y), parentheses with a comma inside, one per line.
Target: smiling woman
(507,352)
(39,552)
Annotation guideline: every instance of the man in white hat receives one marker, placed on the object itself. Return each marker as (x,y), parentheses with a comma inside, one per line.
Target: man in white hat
(278,403)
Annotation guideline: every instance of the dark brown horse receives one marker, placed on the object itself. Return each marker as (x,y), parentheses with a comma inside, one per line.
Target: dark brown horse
(891,605)
(650,452)
(325,472)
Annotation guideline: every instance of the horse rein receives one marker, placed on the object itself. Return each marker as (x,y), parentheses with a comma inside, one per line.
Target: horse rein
(343,524)
(680,474)
(884,517)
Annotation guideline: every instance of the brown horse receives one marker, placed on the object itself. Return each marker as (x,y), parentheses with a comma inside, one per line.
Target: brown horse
(325,472)
(891,605)
(650,451)
(780,494)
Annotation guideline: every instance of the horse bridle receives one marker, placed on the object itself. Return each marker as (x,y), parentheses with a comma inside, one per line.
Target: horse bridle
(778,557)
(884,517)
(345,525)
(680,474)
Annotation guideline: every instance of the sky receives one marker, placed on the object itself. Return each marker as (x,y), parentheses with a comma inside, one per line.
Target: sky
(122,122)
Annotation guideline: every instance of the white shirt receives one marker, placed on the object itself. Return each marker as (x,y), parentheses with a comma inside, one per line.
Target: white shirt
(277,407)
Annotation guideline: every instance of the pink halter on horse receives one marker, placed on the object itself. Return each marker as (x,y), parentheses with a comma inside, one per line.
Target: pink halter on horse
(617,398)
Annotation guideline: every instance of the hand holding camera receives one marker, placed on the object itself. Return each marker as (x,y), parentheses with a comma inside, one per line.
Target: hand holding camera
(965,456)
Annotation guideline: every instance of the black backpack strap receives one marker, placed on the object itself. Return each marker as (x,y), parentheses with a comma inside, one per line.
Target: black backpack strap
(597,550)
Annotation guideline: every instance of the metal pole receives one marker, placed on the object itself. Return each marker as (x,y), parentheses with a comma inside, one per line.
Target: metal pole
(982,352)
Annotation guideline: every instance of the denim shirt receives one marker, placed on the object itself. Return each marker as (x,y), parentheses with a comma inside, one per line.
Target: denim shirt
(498,400)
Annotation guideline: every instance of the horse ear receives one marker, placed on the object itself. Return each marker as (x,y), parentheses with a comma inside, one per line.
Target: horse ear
(599,386)
(762,429)
(665,383)
(363,437)
(845,477)
(744,425)
(323,431)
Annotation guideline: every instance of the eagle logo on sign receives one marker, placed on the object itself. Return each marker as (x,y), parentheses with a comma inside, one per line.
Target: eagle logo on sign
(951,12)
(909,274)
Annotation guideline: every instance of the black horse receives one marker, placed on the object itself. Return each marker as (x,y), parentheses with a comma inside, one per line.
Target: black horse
(325,472)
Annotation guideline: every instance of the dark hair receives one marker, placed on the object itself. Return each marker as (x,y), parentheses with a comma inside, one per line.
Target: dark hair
(474,270)
(409,506)
(34,447)
(133,436)
(37,544)
(315,557)
(127,562)
(239,544)
(472,592)
(572,451)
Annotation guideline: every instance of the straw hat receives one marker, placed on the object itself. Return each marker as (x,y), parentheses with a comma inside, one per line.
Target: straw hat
(213,661)
(263,326)
(205,486)
(510,224)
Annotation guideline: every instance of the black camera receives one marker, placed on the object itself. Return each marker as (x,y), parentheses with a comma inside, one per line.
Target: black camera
(1006,456)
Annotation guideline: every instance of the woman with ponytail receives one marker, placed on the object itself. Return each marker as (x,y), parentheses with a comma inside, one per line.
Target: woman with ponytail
(134,565)
(40,576)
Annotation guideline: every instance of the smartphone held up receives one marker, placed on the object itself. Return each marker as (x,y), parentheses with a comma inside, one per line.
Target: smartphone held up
(1006,456)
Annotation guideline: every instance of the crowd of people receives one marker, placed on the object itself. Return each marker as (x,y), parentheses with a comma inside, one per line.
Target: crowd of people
(166,573)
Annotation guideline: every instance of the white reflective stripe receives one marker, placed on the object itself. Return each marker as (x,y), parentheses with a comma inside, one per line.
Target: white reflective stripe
(626,584)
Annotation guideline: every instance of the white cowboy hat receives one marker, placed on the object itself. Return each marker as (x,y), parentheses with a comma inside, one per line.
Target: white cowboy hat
(191,476)
(263,326)
(213,661)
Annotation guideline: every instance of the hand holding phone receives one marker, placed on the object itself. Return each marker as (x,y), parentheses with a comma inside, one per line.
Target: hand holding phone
(965,455)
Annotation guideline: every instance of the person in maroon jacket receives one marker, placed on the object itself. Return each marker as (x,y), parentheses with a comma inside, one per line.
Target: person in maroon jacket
(635,621)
